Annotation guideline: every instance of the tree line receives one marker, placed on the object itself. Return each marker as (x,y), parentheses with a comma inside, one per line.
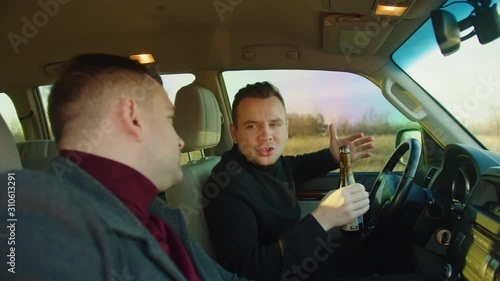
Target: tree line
(371,123)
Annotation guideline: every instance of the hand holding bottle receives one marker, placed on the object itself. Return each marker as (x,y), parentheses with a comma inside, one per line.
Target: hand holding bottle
(341,206)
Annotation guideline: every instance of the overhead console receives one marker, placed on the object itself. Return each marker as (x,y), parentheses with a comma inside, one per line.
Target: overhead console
(474,251)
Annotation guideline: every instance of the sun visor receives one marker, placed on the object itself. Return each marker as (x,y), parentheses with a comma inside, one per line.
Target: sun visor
(354,35)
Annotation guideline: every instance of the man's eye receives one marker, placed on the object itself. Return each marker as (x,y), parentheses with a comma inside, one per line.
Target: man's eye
(275,124)
(251,126)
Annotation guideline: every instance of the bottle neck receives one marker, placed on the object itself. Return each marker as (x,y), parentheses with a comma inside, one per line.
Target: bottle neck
(346,175)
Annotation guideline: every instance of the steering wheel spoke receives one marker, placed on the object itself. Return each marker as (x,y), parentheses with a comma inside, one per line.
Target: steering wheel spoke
(390,190)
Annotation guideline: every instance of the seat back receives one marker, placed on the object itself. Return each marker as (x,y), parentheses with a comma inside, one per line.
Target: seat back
(37,154)
(198,123)
(9,159)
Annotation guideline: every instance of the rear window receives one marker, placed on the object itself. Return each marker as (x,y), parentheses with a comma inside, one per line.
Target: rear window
(171,83)
(9,114)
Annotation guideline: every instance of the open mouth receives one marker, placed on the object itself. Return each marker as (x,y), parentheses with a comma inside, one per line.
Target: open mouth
(266,151)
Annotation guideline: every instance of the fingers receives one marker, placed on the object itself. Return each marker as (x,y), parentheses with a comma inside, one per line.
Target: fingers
(333,131)
(362,144)
(359,149)
(363,141)
(360,205)
(348,195)
(361,211)
(356,201)
(355,137)
(342,206)
(354,188)
(363,155)
(357,197)
(364,147)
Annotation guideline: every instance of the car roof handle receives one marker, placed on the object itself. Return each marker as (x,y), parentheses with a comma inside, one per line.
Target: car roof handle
(403,100)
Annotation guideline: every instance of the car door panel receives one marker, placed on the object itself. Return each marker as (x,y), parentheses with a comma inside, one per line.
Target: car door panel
(310,193)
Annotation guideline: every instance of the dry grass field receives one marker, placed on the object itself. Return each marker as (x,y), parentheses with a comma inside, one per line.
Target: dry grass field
(384,146)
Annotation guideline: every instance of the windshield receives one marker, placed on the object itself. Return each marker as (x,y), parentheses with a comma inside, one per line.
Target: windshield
(466,83)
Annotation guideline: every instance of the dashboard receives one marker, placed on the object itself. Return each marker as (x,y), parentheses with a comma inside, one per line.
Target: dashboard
(460,170)
(466,187)
(474,250)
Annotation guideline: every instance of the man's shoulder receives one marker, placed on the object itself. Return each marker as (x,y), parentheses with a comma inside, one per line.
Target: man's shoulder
(46,189)
(227,162)
(229,176)
(28,180)
(229,166)
(26,175)
(38,183)
(42,199)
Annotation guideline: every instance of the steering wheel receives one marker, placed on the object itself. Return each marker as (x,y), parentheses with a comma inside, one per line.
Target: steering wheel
(387,196)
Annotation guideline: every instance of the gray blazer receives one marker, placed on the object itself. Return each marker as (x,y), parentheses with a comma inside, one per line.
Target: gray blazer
(70,227)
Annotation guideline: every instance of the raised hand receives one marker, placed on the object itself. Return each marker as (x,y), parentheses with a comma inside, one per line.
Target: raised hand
(358,144)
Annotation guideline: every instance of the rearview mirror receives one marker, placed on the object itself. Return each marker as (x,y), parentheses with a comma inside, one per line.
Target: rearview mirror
(484,21)
(446,30)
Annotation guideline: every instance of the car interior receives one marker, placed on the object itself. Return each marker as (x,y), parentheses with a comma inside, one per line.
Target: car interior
(436,195)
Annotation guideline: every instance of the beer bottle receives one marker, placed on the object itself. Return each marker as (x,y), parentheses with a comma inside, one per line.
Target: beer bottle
(346,178)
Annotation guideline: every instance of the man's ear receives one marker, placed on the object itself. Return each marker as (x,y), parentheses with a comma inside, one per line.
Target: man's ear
(232,128)
(131,119)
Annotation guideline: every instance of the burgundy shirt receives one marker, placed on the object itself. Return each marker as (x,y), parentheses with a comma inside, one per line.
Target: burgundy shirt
(136,192)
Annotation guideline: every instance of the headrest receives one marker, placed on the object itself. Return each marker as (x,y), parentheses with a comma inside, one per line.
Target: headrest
(10,157)
(37,154)
(198,118)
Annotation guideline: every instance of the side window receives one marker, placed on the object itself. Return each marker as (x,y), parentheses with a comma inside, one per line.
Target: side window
(44,92)
(171,83)
(9,114)
(315,99)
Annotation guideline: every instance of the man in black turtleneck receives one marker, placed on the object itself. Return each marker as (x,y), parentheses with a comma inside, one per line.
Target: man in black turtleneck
(253,215)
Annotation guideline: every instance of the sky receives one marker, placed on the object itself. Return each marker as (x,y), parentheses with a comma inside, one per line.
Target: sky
(333,94)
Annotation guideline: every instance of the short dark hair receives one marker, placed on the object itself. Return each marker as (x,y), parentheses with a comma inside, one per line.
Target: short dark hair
(87,77)
(260,90)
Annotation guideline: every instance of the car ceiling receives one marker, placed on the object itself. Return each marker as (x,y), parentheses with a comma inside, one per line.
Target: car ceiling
(192,35)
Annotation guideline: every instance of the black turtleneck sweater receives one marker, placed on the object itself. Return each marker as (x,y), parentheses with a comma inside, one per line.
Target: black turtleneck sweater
(253,215)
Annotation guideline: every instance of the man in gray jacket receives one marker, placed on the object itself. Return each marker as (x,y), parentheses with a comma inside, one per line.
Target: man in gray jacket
(95,215)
